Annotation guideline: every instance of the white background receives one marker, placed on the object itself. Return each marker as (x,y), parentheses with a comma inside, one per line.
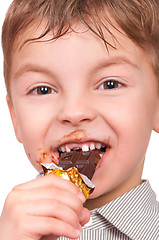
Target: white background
(14,165)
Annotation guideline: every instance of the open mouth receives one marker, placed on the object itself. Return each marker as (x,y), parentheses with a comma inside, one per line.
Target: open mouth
(84,156)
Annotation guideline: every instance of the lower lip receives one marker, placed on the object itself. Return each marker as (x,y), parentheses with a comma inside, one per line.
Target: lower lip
(99,165)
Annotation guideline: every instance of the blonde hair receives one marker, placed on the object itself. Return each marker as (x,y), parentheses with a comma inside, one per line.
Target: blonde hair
(139,19)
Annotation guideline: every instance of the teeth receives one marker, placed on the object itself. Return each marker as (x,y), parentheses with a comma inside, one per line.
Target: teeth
(98,145)
(85,148)
(92,146)
(77,148)
(68,149)
(103,145)
(101,154)
(62,149)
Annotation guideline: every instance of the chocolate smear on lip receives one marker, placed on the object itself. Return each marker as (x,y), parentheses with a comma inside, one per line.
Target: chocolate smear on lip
(74,136)
(47,157)
(85,162)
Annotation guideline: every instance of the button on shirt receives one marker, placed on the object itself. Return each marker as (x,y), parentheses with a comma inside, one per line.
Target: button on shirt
(133,216)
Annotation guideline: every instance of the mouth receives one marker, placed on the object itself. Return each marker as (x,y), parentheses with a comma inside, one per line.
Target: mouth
(87,155)
(85,147)
(54,154)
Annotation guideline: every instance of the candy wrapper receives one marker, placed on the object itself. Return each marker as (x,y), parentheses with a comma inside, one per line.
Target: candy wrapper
(72,174)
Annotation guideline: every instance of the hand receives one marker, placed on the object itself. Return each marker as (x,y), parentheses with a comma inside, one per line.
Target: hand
(44,208)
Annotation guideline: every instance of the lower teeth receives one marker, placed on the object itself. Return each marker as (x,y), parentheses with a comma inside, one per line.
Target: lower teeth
(101,154)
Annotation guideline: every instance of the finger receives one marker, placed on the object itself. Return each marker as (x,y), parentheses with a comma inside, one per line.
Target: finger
(44,226)
(43,181)
(85,216)
(53,193)
(52,209)
(51,181)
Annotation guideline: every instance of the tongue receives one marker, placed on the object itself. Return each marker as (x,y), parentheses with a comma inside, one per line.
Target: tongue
(85,162)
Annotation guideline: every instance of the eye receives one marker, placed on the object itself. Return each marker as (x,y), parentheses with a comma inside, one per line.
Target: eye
(42,90)
(110,84)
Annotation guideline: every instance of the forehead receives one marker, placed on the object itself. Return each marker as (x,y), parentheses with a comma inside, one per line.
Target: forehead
(81,43)
(113,37)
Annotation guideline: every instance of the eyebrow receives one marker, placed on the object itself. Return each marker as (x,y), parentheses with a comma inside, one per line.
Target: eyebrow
(31,67)
(115,60)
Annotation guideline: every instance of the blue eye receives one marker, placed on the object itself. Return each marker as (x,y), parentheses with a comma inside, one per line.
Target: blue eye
(109,85)
(42,90)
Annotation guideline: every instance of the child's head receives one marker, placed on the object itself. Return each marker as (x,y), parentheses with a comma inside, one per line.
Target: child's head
(95,85)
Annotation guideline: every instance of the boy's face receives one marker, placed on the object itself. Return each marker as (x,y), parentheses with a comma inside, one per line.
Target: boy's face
(72,92)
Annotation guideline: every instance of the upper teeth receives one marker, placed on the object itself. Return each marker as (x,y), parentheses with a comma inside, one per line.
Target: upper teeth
(68,149)
(92,146)
(85,147)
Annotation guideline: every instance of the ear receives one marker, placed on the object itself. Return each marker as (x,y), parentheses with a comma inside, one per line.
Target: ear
(156,121)
(14,119)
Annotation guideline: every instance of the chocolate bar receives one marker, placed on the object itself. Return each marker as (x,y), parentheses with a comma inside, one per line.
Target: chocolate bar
(76,166)
(85,162)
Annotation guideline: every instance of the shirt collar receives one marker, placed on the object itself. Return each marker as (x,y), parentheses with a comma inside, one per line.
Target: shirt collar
(135,213)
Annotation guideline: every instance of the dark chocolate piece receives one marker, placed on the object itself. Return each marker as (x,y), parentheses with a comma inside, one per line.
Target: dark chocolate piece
(85,162)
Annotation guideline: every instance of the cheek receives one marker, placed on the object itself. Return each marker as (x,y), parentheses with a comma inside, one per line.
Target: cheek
(134,130)
(33,125)
(132,122)
(33,120)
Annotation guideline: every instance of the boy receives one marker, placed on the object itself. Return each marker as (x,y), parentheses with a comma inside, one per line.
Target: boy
(83,74)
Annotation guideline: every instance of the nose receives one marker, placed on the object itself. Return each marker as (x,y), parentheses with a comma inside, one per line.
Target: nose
(76,112)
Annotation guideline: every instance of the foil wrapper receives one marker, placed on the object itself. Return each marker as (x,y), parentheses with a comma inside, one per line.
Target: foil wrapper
(71,174)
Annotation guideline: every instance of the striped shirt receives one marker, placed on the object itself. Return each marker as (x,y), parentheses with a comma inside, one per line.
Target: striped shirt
(133,216)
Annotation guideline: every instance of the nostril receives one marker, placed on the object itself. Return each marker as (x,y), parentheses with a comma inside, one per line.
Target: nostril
(75,119)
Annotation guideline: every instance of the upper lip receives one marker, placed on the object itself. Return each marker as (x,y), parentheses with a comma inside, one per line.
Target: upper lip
(79,138)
